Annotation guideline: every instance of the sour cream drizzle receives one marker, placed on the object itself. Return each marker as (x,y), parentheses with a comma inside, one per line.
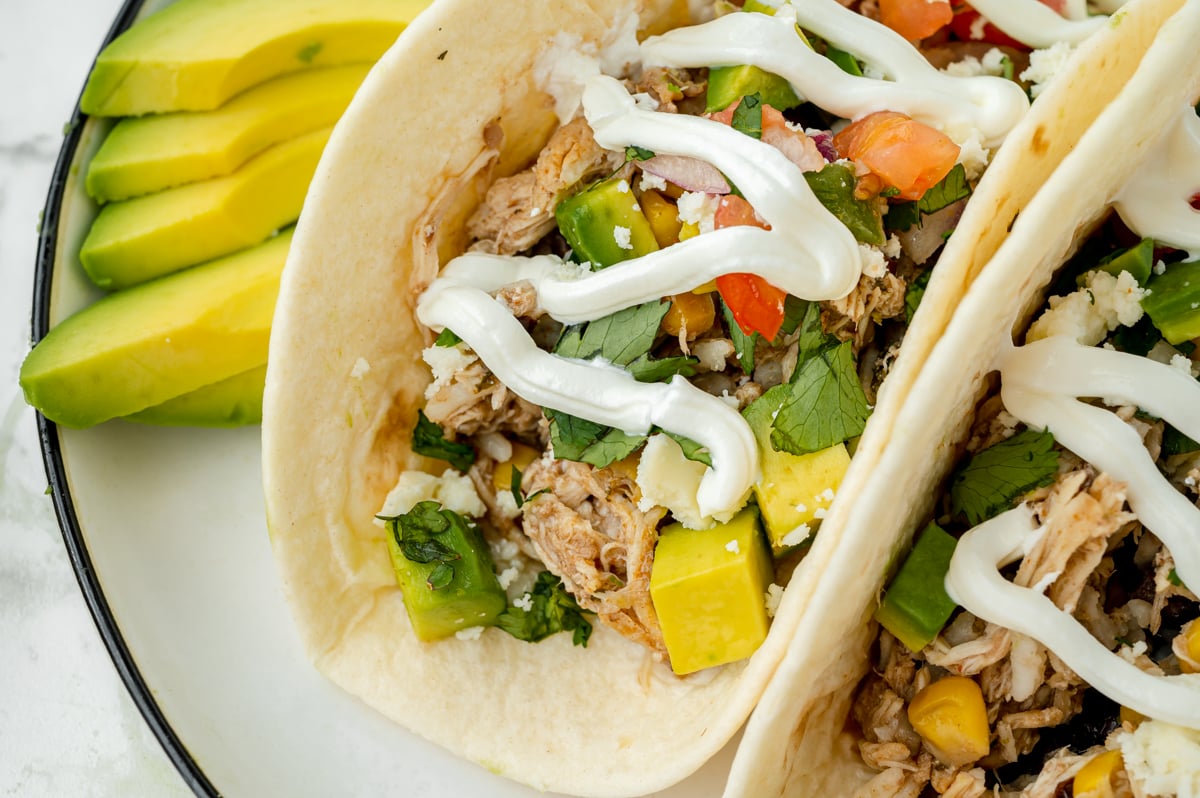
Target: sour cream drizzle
(1156,201)
(974,582)
(956,105)
(1038,25)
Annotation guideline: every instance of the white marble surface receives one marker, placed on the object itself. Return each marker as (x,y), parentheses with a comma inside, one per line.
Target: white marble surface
(67,724)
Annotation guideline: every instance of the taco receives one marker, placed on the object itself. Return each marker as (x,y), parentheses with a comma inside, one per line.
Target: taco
(1061,658)
(476,388)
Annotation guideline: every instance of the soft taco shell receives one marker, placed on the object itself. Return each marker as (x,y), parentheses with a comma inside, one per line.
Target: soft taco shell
(1124,86)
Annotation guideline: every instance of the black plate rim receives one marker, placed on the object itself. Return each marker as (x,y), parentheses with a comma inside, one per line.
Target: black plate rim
(52,457)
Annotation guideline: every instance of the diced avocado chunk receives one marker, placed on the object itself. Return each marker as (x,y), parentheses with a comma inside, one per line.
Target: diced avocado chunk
(834,186)
(795,490)
(1138,260)
(438,607)
(604,224)
(708,587)
(1173,302)
(727,85)
(916,605)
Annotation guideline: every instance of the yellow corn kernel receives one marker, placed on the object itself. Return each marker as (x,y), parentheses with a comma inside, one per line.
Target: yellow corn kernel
(691,314)
(522,456)
(708,288)
(1131,716)
(688,230)
(1095,780)
(951,718)
(663,217)
(1187,647)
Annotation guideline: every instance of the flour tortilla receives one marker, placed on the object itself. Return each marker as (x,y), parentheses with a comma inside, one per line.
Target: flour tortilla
(452,107)
(1134,76)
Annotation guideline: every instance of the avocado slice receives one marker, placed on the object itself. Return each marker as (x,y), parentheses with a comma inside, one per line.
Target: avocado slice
(235,402)
(727,85)
(1138,260)
(138,348)
(1173,302)
(795,490)
(139,239)
(604,224)
(708,587)
(916,605)
(147,154)
(471,596)
(194,55)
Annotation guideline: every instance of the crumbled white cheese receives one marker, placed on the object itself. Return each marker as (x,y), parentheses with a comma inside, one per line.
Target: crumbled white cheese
(506,504)
(1160,267)
(470,633)
(622,186)
(802,508)
(508,576)
(1044,65)
(505,550)
(874,264)
(650,181)
(892,247)
(873,72)
(525,602)
(454,491)
(826,495)
(796,536)
(732,547)
(361,367)
(712,353)
(1089,314)
(1184,364)
(623,236)
(973,155)
(772,597)
(698,208)
(668,479)
(1163,759)
(967,67)
(977,26)
(445,362)
(820,513)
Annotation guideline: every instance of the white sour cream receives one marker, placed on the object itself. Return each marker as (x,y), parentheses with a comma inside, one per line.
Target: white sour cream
(974,581)
(1038,25)
(957,105)
(1156,202)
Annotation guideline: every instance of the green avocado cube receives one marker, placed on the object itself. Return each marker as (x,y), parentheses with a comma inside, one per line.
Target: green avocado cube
(916,605)
(727,85)
(438,607)
(1138,260)
(709,590)
(604,224)
(1173,302)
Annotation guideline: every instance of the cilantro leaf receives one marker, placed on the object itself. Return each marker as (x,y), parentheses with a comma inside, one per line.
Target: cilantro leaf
(691,449)
(747,117)
(1173,578)
(997,476)
(794,309)
(430,440)
(637,154)
(552,609)
(952,188)
(743,345)
(833,187)
(514,484)
(447,337)
(915,293)
(420,535)
(584,441)
(812,338)
(901,216)
(825,405)
(847,62)
(619,338)
(648,369)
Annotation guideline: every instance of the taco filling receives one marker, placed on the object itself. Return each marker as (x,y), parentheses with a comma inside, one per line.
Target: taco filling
(1063,656)
(654,361)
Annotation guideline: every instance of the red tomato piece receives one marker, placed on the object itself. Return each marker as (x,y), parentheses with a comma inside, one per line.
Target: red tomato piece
(907,154)
(756,305)
(915,19)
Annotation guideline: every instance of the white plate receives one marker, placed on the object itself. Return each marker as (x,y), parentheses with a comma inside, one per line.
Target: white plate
(166,532)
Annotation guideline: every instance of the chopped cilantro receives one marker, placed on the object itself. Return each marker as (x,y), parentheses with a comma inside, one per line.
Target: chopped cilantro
(743,345)
(1173,578)
(902,216)
(915,293)
(1006,68)
(812,338)
(447,337)
(619,338)
(637,154)
(1175,442)
(952,188)
(514,484)
(825,405)
(419,534)
(308,52)
(833,187)
(552,609)
(747,117)
(430,440)
(794,309)
(648,369)
(890,191)
(584,441)
(847,62)
(999,475)
(691,449)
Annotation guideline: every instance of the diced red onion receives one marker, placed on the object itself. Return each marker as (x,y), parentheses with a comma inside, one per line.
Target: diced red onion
(824,142)
(688,173)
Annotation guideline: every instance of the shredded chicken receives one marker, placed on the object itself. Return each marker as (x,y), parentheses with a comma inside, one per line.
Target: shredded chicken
(670,86)
(518,211)
(854,316)
(589,531)
(472,401)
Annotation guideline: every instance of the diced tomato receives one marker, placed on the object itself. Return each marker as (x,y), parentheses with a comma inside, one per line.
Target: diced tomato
(965,25)
(915,19)
(757,306)
(907,154)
